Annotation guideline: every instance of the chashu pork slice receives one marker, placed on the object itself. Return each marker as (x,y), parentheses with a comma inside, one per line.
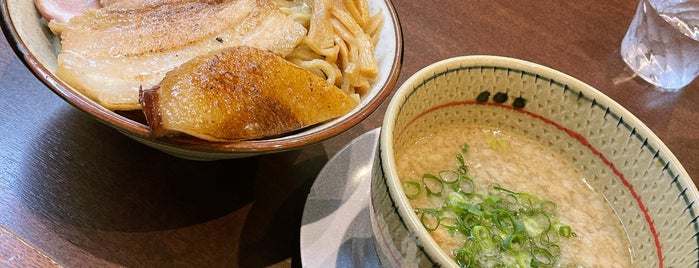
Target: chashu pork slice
(241,93)
(109,53)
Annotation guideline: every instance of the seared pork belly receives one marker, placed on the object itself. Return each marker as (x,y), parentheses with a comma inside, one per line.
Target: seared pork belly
(239,94)
(112,52)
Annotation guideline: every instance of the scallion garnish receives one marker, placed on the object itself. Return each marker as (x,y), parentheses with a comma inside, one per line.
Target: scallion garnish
(503,227)
(448,176)
(412,189)
(430,219)
(464,148)
(433,185)
(566,231)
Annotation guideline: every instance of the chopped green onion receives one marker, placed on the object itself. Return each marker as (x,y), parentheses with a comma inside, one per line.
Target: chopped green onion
(497,187)
(449,176)
(503,228)
(548,207)
(464,257)
(432,184)
(449,223)
(542,256)
(537,223)
(555,250)
(464,148)
(412,189)
(482,236)
(456,199)
(473,209)
(504,221)
(497,144)
(514,241)
(549,238)
(464,185)
(566,231)
(463,169)
(460,158)
(430,220)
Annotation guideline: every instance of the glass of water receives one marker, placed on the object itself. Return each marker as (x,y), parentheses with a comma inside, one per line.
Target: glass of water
(662,43)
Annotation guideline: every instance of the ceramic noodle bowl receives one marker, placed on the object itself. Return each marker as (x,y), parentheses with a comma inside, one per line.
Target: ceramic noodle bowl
(642,181)
(38,48)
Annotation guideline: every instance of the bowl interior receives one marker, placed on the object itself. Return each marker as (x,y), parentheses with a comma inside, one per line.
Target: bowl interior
(38,48)
(619,157)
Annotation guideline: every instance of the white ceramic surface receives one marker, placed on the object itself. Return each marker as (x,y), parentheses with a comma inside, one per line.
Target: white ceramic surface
(335,228)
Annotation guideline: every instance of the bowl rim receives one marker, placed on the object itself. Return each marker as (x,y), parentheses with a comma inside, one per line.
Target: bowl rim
(215,150)
(421,76)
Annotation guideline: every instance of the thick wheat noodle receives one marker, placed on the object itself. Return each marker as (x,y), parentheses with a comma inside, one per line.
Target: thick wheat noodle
(343,34)
(344,55)
(300,16)
(374,27)
(347,45)
(359,10)
(319,67)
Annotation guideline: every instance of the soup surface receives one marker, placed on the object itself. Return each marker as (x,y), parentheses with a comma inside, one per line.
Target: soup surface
(519,164)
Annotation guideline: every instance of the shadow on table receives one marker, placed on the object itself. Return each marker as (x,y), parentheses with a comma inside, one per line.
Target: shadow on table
(132,205)
(85,174)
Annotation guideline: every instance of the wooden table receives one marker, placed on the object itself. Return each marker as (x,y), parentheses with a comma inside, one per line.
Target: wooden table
(76,193)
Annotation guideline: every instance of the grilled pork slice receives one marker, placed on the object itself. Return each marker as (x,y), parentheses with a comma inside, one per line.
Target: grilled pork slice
(239,94)
(109,53)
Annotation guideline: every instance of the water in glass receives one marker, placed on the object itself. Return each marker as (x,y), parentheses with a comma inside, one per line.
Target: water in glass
(662,43)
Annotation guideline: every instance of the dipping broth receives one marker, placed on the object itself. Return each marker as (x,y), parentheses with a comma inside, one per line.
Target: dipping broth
(514,162)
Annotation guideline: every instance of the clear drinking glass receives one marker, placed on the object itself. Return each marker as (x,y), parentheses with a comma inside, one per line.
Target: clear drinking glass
(662,43)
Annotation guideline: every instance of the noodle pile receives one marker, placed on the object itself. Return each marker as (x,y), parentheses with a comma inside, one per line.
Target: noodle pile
(340,42)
